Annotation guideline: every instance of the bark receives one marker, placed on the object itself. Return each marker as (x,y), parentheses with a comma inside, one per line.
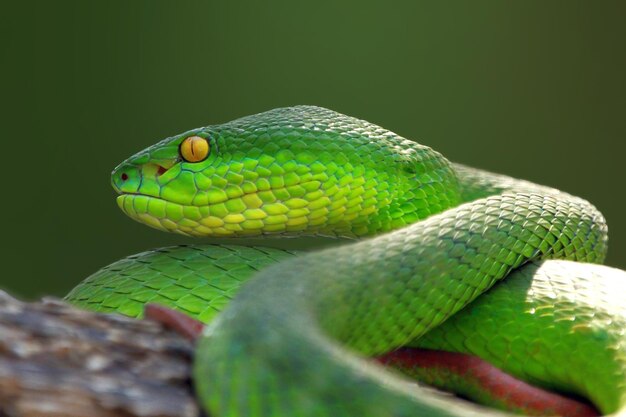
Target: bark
(57,360)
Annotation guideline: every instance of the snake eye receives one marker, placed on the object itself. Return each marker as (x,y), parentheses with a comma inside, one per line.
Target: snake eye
(194,149)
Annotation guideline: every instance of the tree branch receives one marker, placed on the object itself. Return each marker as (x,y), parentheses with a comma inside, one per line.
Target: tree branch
(57,360)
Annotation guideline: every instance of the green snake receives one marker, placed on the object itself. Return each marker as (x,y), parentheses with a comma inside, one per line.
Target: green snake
(296,339)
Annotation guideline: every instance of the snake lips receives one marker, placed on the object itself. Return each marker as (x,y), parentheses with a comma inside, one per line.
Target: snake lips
(457,259)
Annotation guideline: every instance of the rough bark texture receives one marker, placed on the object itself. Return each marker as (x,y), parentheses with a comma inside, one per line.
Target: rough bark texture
(56,360)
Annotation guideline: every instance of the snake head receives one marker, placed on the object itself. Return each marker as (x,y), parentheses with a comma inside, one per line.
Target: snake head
(160,185)
(297,170)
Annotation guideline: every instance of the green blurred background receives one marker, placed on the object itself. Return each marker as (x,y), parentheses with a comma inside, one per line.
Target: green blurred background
(532,89)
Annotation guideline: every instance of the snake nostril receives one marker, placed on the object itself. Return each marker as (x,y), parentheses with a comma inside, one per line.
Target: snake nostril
(124,176)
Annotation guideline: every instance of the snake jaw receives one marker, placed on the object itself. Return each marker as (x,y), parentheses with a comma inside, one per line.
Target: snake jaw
(145,209)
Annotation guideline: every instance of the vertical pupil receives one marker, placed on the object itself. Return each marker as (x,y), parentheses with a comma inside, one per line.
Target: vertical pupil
(194,149)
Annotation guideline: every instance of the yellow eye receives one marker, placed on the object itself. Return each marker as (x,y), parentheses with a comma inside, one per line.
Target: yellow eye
(194,149)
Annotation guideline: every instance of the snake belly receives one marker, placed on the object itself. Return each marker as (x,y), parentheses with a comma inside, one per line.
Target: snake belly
(294,340)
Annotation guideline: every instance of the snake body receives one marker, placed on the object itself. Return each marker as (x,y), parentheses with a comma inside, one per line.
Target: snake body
(294,341)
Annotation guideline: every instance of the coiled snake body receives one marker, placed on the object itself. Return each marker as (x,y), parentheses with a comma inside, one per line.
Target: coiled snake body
(294,341)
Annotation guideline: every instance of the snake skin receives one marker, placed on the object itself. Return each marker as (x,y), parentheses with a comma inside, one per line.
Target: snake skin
(294,340)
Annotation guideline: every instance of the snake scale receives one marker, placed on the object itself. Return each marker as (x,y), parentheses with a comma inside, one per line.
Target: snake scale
(436,240)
